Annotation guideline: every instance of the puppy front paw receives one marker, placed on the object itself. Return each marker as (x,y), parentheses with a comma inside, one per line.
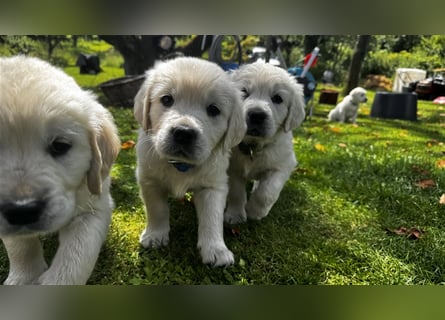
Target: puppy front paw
(27,275)
(153,238)
(232,216)
(16,281)
(49,278)
(255,211)
(217,256)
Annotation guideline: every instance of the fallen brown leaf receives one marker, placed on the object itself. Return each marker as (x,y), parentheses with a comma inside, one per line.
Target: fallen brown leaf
(441,163)
(442,199)
(411,233)
(233,231)
(335,129)
(320,147)
(432,142)
(128,145)
(342,145)
(425,184)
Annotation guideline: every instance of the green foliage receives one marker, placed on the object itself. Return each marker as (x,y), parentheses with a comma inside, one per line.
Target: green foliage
(336,54)
(425,52)
(12,45)
(384,62)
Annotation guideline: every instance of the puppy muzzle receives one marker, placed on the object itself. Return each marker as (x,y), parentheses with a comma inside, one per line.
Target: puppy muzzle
(23,213)
(182,142)
(256,122)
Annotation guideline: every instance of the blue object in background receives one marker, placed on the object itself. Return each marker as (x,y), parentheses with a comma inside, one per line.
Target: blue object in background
(227,66)
(309,83)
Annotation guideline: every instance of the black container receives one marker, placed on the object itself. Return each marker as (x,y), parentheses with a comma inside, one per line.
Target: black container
(390,105)
(121,91)
(328,96)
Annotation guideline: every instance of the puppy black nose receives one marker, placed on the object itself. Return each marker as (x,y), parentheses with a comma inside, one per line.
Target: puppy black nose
(256,116)
(22,213)
(184,135)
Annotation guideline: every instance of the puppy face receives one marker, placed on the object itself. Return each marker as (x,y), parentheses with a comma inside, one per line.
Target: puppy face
(358,95)
(190,107)
(272,100)
(56,143)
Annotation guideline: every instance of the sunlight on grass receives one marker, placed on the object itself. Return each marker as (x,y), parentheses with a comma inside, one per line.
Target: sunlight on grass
(363,181)
(93,80)
(331,224)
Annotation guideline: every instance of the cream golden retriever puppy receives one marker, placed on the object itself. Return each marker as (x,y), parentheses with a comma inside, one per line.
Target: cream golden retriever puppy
(190,116)
(273,106)
(57,145)
(347,109)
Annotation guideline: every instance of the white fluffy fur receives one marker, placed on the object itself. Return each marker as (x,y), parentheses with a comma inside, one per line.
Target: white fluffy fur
(347,109)
(194,84)
(268,155)
(41,108)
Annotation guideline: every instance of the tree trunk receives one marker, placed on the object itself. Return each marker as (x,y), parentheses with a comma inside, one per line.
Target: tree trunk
(141,52)
(310,42)
(355,67)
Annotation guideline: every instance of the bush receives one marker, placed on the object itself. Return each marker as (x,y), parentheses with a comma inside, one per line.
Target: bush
(384,62)
(13,45)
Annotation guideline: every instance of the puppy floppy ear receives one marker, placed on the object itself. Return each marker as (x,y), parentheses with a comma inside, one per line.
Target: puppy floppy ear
(296,113)
(142,104)
(105,146)
(237,126)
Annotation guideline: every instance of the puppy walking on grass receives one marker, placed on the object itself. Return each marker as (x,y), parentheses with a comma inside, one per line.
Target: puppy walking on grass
(57,146)
(273,106)
(347,109)
(190,116)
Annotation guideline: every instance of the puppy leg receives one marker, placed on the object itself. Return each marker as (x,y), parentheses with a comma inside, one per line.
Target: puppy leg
(342,116)
(158,216)
(265,193)
(236,200)
(79,246)
(209,205)
(25,259)
(354,118)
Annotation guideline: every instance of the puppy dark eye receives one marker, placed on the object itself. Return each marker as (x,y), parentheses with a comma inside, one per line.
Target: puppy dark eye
(58,148)
(245,93)
(167,100)
(213,110)
(277,99)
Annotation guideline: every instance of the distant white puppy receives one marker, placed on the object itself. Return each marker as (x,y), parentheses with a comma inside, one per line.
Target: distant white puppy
(273,106)
(347,109)
(190,115)
(57,145)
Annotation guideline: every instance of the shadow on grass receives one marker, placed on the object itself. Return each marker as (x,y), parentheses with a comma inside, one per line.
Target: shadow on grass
(375,196)
(280,249)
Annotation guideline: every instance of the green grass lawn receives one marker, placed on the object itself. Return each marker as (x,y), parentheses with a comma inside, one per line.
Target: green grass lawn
(330,225)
